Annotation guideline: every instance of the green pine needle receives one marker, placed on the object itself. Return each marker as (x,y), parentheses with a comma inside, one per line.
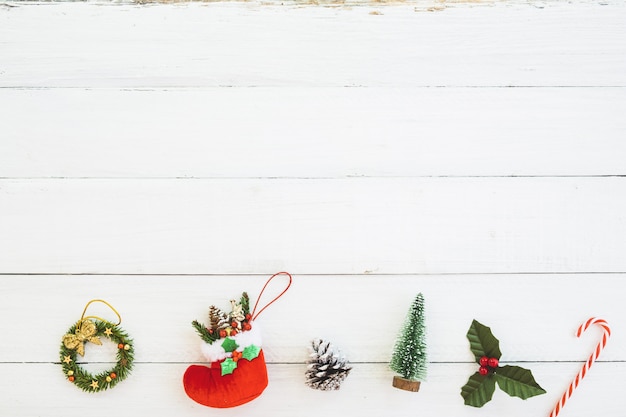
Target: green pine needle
(245,303)
(84,379)
(204,332)
(409,357)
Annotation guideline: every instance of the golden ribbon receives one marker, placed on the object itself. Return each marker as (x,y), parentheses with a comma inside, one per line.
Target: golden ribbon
(85,332)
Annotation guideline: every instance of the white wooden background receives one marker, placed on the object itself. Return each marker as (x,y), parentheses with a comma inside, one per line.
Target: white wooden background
(166,157)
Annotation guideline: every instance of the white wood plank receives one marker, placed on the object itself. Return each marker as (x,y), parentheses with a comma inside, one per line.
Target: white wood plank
(135,95)
(535,317)
(156,389)
(312,132)
(254,44)
(358,225)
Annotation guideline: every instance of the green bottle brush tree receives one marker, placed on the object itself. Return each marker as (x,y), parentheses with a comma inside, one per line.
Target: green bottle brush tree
(409,355)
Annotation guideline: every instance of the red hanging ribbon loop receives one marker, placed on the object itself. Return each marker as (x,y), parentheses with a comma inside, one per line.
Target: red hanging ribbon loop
(254,316)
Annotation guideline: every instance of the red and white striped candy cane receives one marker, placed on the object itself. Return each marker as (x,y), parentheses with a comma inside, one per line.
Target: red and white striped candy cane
(587,365)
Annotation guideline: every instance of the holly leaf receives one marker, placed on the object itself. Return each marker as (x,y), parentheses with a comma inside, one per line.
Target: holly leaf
(229,344)
(228,366)
(478,390)
(482,341)
(250,352)
(517,382)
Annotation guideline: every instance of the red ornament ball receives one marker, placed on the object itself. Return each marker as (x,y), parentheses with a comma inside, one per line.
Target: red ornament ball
(484,361)
(120,346)
(483,370)
(113,375)
(71,378)
(493,362)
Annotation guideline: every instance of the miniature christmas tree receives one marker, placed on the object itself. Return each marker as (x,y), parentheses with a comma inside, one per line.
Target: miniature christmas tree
(409,355)
(326,368)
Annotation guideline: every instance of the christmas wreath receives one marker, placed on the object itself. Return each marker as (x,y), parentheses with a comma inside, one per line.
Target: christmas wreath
(86,331)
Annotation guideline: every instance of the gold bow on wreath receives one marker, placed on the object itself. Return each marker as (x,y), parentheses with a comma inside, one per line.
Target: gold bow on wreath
(85,331)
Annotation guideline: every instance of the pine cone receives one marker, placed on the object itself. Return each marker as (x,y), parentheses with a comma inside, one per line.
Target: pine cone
(326,368)
(217,318)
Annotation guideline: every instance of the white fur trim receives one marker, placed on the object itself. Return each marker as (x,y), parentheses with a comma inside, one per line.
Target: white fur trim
(250,337)
(213,351)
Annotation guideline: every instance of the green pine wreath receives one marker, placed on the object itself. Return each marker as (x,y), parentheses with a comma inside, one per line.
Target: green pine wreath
(80,377)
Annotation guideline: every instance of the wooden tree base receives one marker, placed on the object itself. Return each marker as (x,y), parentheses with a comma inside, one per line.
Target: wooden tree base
(406,384)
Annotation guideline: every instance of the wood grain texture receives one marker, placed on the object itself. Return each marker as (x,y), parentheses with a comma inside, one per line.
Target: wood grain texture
(306,132)
(358,225)
(367,391)
(224,44)
(168,157)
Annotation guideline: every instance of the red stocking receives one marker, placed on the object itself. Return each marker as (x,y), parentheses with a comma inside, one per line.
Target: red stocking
(207,386)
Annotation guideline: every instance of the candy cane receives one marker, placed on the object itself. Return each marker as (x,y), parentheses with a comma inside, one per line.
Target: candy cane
(587,365)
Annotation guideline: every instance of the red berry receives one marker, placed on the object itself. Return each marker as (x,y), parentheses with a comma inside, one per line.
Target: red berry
(113,375)
(483,371)
(233,332)
(234,324)
(248,316)
(120,346)
(247,326)
(210,331)
(493,362)
(71,378)
(222,333)
(484,361)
